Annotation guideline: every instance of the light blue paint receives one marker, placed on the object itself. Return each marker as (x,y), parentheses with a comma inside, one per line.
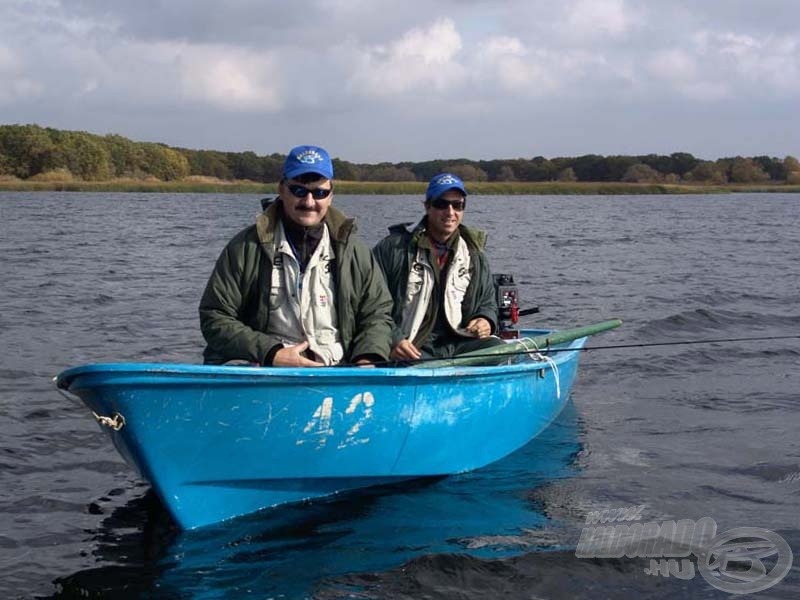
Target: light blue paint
(218,442)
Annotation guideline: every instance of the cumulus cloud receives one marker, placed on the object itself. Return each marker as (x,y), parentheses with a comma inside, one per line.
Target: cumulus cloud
(514,67)
(179,73)
(715,66)
(675,65)
(680,70)
(423,60)
(771,60)
(526,65)
(230,78)
(75,58)
(507,64)
(593,18)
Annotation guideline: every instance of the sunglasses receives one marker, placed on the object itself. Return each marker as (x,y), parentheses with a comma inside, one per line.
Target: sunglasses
(442,204)
(301,191)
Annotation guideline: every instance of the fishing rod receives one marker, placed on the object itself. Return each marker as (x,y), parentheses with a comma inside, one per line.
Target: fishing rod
(684,343)
(549,350)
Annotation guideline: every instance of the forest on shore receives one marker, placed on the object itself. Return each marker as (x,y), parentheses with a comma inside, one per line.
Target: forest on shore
(43,155)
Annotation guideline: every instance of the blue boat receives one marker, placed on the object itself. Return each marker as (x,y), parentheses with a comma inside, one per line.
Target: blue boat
(217,442)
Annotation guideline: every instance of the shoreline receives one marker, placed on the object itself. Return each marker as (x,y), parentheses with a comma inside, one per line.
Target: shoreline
(493,188)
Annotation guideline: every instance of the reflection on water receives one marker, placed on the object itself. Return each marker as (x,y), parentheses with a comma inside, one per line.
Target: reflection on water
(287,551)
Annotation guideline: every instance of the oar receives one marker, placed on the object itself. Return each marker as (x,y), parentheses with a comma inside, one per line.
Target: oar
(477,357)
(567,335)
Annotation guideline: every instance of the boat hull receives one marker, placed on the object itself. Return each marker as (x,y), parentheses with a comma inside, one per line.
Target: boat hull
(219,442)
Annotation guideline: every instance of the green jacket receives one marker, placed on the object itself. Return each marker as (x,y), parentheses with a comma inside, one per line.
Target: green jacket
(395,253)
(234,309)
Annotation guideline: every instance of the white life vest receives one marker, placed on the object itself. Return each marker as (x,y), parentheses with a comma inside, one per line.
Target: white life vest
(304,307)
(419,290)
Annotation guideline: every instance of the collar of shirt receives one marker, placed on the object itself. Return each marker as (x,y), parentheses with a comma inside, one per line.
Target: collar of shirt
(303,240)
(440,250)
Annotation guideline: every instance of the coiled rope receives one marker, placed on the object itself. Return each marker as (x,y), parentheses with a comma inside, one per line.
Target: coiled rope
(535,354)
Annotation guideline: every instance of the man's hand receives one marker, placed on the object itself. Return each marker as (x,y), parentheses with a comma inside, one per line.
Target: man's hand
(479,327)
(292,356)
(405,350)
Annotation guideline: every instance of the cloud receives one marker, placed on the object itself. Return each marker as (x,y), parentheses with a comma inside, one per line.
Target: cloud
(75,59)
(716,66)
(8,60)
(681,71)
(179,74)
(513,67)
(675,65)
(19,89)
(423,60)
(189,70)
(230,78)
(16,86)
(507,64)
(192,21)
(595,18)
(770,60)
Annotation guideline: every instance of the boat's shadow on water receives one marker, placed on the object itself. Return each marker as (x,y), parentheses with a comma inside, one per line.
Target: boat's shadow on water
(287,551)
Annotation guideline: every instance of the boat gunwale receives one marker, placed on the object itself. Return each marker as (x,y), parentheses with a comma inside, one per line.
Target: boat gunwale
(239,374)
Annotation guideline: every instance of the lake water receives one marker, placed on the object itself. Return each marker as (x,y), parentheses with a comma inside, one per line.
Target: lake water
(689,431)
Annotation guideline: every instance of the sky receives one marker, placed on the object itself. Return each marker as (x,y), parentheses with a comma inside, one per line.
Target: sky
(414,80)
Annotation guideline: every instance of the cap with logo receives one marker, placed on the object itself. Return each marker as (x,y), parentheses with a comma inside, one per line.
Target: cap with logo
(307,159)
(444,182)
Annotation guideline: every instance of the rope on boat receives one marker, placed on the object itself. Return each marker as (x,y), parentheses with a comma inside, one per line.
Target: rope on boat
(116,422)
(535,354)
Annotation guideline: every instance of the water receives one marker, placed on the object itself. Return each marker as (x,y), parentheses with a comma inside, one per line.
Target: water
(689,431)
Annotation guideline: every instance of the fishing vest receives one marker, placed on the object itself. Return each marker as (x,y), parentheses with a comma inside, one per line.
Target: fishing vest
(419,290)
(302,306)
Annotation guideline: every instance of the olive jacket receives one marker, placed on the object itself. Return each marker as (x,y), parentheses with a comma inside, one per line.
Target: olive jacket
(396,253)
(234,308)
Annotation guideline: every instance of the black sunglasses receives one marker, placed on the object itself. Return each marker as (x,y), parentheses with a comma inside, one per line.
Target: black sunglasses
(301,191)
(442,204)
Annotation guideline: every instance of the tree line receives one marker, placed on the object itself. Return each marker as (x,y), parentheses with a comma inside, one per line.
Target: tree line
(41,153)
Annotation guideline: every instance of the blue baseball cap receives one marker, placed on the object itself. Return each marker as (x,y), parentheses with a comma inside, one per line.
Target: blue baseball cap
(308,159)
(444,182)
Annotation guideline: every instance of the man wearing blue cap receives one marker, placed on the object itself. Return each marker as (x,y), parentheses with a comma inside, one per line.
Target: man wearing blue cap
(297,289)
(439,277)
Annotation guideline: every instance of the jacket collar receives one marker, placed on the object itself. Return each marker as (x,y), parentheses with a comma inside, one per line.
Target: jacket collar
(339,225)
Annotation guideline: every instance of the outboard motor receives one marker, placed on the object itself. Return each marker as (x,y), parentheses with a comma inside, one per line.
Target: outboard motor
(508,311)
(507,306)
